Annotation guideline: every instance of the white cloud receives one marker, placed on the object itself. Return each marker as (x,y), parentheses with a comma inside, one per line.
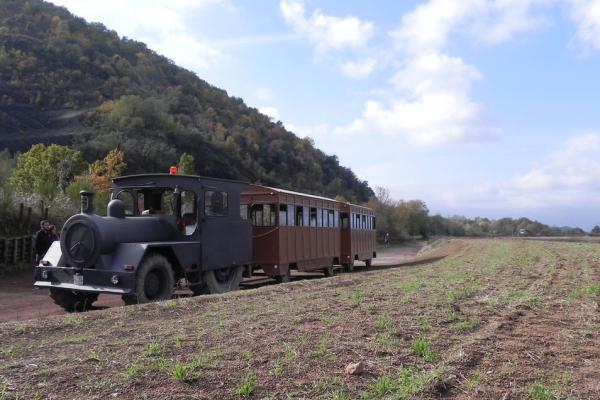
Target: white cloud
(324,31)
(586,14)
(359,69)
(270,112)
(263,94)
(161,24)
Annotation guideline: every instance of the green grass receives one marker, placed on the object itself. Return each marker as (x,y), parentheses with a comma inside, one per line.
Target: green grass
(322,347)
(73,320)
(246,355)
(132,371)
(184,372)
(589,290)
(422,348)
(383,323)
(408,383)
(154,349)
(539,392)
(288,351)
(248,385)
(92,356)
(472,381)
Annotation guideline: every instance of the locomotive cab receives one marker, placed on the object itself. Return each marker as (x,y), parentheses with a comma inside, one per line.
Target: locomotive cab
(159,229)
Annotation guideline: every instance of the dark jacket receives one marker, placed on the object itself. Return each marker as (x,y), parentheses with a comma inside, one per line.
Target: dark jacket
(43,240)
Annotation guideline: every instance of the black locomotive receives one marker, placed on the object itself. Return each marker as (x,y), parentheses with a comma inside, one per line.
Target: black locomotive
(157,231)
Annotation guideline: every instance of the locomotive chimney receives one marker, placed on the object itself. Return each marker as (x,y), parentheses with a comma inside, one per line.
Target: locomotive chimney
(87,202)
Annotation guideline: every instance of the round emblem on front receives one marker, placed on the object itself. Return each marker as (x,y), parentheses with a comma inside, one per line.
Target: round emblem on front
(80,242)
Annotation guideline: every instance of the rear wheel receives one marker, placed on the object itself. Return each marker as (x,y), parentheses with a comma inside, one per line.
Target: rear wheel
(73,301)
(222,280)
(155,281)
(328,271)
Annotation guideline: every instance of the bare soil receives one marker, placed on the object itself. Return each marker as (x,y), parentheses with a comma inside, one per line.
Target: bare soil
(466,319)
(20,301)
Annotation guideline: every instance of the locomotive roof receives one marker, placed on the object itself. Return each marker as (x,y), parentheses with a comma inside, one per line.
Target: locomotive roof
(120,179)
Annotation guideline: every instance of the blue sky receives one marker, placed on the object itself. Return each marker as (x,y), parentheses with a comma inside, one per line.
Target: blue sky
(478,107)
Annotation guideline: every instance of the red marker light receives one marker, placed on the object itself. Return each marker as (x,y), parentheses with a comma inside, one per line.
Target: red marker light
(173,170)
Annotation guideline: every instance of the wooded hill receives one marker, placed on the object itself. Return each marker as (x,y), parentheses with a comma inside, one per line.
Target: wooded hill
(63,80)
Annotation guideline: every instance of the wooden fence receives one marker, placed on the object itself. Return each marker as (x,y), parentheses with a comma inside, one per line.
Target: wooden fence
(17,250)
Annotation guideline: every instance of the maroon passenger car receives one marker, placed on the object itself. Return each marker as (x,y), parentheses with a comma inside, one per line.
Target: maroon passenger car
(292,231)
(358,235)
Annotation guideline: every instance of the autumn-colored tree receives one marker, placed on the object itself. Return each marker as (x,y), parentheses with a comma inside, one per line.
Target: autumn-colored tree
(103,171)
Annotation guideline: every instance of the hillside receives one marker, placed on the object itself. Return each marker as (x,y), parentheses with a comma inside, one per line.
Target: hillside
(474,319)
(63,80)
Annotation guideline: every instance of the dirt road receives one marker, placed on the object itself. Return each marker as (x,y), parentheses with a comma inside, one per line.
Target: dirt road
(20,301)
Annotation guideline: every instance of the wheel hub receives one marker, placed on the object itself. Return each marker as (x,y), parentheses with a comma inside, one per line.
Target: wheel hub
(152,285)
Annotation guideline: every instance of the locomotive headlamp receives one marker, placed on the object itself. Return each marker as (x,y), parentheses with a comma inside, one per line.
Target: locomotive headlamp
(114,279)
(45,274)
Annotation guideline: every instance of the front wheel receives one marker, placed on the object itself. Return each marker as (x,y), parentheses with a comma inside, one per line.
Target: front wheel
(73,301)
(222,280)
(155,281)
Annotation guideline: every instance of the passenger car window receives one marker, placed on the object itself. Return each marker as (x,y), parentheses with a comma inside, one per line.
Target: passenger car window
(283,215)
(263,215)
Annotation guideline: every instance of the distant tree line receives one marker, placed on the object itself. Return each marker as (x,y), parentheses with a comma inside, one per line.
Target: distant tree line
(404,220)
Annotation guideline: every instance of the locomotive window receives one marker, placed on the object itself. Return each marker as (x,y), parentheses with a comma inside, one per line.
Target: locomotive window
(320,217)
(244,211)
(127,199)
(189,212)
(215,203)
(290,214)
(283,215)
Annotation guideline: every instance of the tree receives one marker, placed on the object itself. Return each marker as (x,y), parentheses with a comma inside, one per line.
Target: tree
(41,169)
(186,165)
(596,230)
(102,172)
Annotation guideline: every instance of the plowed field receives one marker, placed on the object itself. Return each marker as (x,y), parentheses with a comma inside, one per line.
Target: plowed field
(501,319)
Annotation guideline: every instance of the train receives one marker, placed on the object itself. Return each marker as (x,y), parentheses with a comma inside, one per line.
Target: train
(161,229)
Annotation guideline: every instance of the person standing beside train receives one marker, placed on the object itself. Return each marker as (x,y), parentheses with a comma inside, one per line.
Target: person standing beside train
(43,239)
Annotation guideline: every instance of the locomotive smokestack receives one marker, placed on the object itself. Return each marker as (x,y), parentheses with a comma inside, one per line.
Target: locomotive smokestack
(87,202)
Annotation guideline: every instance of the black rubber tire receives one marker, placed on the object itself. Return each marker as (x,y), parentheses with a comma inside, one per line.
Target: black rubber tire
(73,301)
(221,281)
(197,290)
(154,281)
(328,272)
(368,263)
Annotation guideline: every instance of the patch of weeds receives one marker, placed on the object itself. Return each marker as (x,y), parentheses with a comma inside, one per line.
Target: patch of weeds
(246,356)
(328,383)
(7,352)
(277,369)
(382,386)
(184,372)
(589,290)
(177,340)
(248,385)
(158,365)
(169,304)
(20,329)
(73,320)
(386,340)
(472,381)
(288,351)
(465,325)
(154,349)
(296,319)
(330,320)
(132,371)
(422,348)
(340,396)
(81,338)
(383,323)
(357,296)
(3,390)
(410,286)
(322,347)
(92,356)
(539,392)
(450,313)
(423,323)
